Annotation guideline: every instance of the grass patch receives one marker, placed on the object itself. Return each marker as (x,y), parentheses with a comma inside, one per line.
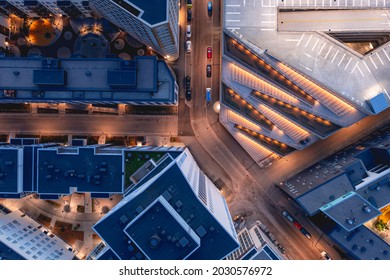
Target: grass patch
(134,160)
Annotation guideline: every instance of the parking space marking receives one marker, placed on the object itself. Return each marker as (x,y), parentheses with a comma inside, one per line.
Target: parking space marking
(315,44)
(386,54)
(304,66)
(335,56)
(360,70)
(366,66)
(380,59)
(233,20)
(341,60)
(328,52)
(322,48)
(300,40)
(233,28)
(233,13)
(353,69)
(308,40)
(373,63)
(349,61)
(233,5)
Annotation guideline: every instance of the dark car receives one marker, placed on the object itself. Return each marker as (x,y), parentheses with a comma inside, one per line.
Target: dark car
(208,70)
(210,8)
(188,94)
(188,82)
(189,16)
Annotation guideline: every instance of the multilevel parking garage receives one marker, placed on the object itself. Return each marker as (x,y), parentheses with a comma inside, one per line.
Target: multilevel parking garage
(309,67)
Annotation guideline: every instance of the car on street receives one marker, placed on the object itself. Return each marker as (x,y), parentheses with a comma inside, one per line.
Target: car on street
(288,216)
(326,256)
(208,70)
(188,46)
(210,8)
(189,4)
(208,95)
(188,81)
(189,16)
(188,94)
(209,53)
(188,31)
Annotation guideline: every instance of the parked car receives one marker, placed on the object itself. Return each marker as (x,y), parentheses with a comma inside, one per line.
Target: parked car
(188,81)
(188,94)
(305,233)
(189,16)
(209,53)
(210,8)
(288,216)
(189,4)
(188,46)
(326,256)
(208,70)
(188,31)
(208,95)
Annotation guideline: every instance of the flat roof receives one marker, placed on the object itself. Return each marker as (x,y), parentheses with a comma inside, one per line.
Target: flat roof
(83,168)
(377,192)
(110,79)
(152,14)
(350,211)
(215,242)
(300,42)
(324,194)
(161,233)
(9,169)
(361,243)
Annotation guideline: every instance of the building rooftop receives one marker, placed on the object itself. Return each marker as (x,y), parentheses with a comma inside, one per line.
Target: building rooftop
(9,163)
(152,14)
(172,185)
(111,79)
(298,33)
(161,233)
(361,243)
(350,211)
(82,169)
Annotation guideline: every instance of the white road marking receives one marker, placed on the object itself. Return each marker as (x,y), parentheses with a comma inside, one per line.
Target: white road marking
(386,54)
(335,55)
(353,69)
(233,13)
(341,60)
(233,28)
(380,59)
(235,20)
(315,44)
(367,66)
(233,5)
(308,40)
(348,64)
(300,40)
(328,52)
(322,48)
(304,66)
(268,14)
(267,29)
(360,71)
(373,63)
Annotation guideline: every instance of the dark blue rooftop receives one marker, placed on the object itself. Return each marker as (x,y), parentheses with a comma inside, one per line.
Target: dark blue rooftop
(378,103)
(161,233)
(50,77)
(154,12)
(9,170)
(80,168)
(215,242)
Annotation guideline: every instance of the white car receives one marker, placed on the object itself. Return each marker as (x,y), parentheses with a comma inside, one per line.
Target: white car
(188,46)
(326,256)
(188,31)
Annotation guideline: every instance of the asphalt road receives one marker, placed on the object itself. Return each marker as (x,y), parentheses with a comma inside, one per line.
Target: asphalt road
(85,124)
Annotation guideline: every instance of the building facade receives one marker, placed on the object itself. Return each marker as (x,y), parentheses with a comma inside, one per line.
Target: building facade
(173,212)
(154,24)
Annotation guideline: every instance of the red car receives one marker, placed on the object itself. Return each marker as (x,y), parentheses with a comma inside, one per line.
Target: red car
(209,53)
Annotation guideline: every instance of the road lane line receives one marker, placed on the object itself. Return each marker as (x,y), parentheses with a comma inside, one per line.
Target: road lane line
(348,64)
(341,60)
(373,63)
(328,52)
(335,55)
